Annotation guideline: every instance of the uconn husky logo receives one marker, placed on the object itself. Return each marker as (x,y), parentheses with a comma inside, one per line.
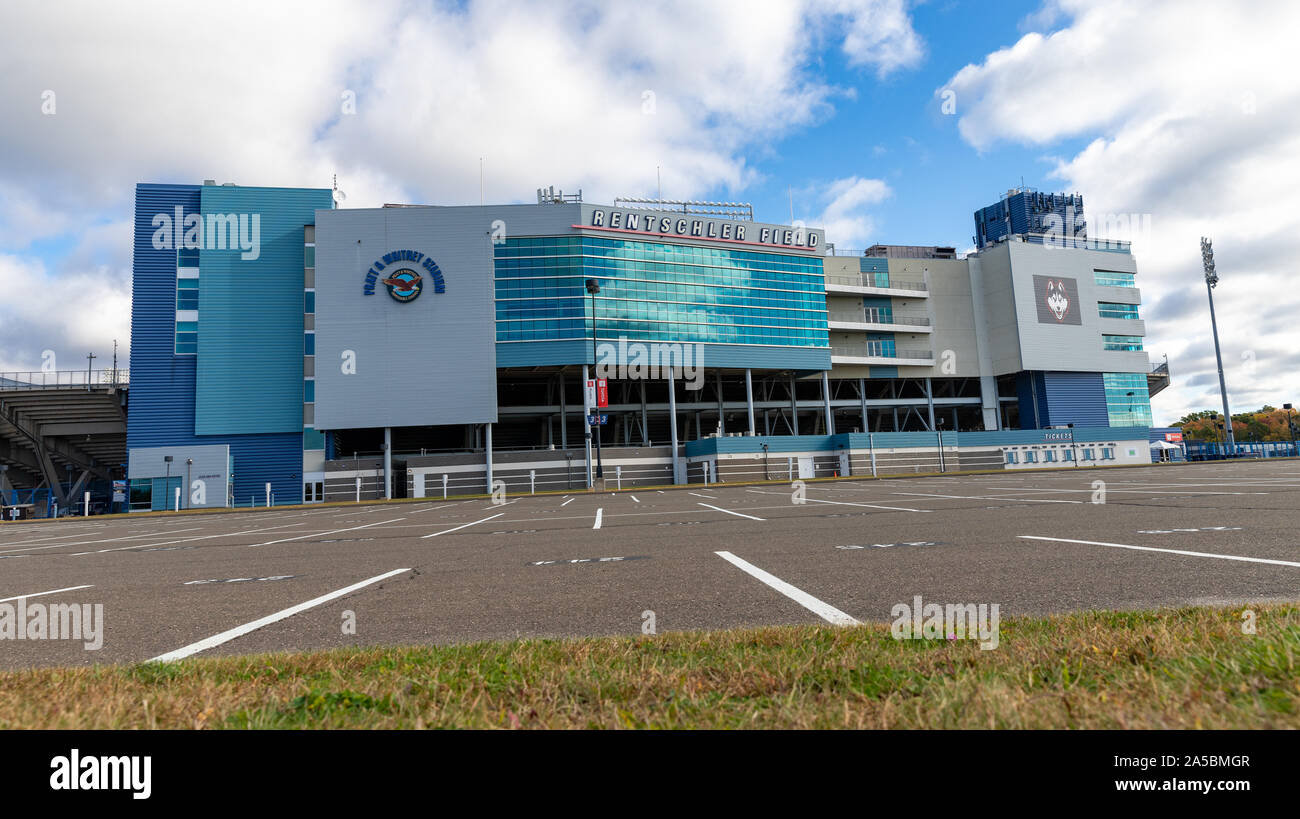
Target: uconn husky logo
(1058,300)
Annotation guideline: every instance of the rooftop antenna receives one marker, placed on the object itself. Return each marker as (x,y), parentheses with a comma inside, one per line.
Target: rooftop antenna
(338,195)
(480,181)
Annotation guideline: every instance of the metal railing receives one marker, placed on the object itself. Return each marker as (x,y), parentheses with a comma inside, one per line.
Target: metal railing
(1077,242)
(57,379)
(879,349)
(876,280)
(875,316)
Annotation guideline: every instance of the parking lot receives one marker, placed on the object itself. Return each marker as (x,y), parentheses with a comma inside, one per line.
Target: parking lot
(421,572)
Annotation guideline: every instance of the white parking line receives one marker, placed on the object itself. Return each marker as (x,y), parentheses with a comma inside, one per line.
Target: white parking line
(105,540)
(600,513)
(823,610)
(462,526)
(239,631)
(42,594)
(1170,551)
(567,502)
(729,512)
(698,495)
(319,534)
(846,503)
(235,533)
(985,497)
(633,497)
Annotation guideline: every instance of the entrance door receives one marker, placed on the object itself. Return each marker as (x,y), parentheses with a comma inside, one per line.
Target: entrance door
(313,492)
(806,466)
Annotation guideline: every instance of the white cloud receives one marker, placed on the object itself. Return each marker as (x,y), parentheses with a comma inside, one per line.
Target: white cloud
(879,33)
(845,215)
(546,92)
(1193,112)
(72,314)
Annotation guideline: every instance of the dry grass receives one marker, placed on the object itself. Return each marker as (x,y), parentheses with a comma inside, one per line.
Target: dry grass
(1185,668)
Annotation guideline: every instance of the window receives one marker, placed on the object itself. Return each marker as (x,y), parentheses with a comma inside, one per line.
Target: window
(1107,453)
(309,344)
(1109,309)
(1049,456)
(1031,457)
(313,439)
(187,257)
(1012,457)
(309,301)
(187,338)
(1128,404)
(141,494)
(187,294)
(1124,343)
(309,391)
(1112,278)
(309,256)
(1088,454)
(1067,455)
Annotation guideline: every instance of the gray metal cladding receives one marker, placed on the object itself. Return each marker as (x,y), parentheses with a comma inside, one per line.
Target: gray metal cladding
(382,362)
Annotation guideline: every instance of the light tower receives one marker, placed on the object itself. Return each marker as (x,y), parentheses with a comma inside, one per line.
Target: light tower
(1212,279)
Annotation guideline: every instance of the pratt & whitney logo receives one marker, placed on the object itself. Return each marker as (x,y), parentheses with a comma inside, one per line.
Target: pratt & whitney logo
(404,284)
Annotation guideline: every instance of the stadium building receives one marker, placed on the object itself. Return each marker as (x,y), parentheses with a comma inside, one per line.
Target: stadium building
(285,351)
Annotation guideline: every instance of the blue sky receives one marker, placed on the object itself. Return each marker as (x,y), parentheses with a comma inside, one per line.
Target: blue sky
(832,99)
(938,180)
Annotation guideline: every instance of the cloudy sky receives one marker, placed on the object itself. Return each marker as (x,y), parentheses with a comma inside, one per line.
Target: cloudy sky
(880,120)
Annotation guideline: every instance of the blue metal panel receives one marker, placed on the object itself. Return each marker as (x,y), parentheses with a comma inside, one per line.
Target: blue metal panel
(1075,398)
(883,372)
(251,315)
(871,264)
(1055,398)
(162,409)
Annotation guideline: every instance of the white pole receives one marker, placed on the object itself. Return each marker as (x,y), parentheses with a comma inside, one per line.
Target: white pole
(444,486)
(268,493)
(789,468)
(178,499)
(358,489)
(532,481)
(87,510)
(871,444)
(388,463)
(487,440)
(618,476)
